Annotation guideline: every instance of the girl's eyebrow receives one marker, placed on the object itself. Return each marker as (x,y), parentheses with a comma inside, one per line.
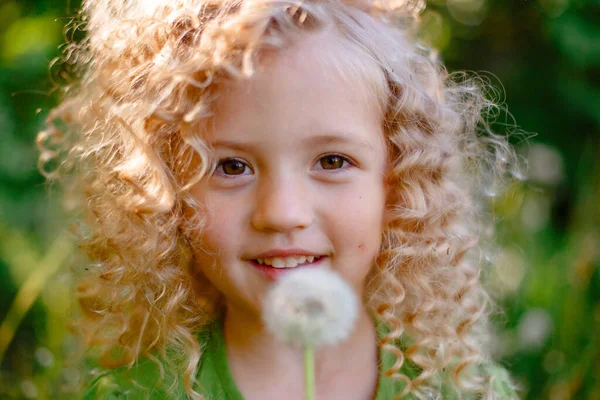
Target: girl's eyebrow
(339,138)
(332,138)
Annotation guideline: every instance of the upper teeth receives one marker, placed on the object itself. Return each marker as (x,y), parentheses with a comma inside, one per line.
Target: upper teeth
(285,262)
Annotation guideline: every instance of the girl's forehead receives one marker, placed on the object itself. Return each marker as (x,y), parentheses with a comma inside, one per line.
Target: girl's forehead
(316,59)
(302,91)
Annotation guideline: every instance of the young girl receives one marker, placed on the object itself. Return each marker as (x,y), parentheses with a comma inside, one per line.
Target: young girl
(213,144)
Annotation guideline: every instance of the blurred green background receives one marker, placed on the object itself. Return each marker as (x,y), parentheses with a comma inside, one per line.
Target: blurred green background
(545,57)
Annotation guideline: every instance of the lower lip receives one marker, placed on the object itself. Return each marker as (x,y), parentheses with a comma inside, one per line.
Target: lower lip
(272,273)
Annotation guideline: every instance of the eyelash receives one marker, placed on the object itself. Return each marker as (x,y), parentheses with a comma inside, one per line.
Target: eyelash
(334,171)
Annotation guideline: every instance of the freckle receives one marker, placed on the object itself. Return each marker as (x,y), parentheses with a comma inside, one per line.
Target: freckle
(361,246)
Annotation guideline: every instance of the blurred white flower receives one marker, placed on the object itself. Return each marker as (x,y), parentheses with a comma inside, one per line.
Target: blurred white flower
(310,307)
(44,357)
(29,390)
(545,165)
(534,328)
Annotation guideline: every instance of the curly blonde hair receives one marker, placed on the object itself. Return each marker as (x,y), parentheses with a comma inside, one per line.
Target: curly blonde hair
(147,77)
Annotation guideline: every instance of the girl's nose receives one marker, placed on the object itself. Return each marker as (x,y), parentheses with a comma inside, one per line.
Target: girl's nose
(282,205)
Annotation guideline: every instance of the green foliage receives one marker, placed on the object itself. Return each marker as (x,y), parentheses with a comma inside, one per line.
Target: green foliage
(546,273)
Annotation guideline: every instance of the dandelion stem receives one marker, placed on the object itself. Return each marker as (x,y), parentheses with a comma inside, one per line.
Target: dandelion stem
(309,373)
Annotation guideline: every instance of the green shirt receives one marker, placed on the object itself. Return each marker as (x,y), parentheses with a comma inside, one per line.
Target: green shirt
(215,381)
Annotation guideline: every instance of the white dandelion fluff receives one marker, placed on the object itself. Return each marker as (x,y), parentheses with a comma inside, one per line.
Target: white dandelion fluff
(310,307)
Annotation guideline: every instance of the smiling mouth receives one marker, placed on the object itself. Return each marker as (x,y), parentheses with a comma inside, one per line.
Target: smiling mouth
(287,262)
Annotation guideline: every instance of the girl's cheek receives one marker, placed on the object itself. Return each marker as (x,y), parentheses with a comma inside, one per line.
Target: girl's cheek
(225,226)
(363,206)
(362,221)
(216,230)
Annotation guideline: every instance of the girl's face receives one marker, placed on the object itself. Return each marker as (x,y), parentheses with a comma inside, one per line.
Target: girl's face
(301,173)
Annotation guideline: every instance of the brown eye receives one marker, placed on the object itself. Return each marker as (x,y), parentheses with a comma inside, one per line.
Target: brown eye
(232,167)
(332,162)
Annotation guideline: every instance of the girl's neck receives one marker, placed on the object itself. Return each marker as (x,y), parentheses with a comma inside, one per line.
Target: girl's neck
(258,360)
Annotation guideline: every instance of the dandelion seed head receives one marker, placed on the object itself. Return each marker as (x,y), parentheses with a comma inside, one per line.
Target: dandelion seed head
(311,307)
